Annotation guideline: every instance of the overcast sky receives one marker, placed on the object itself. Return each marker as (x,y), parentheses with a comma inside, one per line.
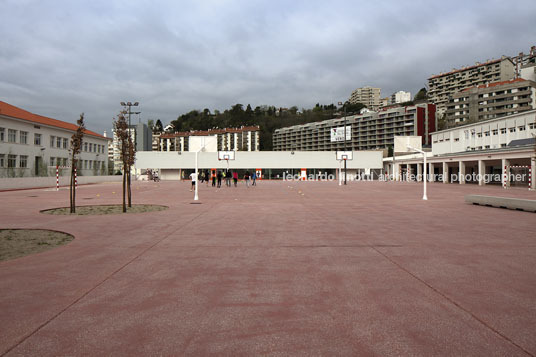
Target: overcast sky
(59,58)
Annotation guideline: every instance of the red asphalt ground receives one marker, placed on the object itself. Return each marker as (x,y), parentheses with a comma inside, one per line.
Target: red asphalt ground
(281,269)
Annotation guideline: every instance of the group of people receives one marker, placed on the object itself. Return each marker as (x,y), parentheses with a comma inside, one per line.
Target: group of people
(218,175)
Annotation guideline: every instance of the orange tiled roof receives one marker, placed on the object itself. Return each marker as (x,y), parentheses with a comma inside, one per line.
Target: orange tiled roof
(209,132)
(18,113)
(494,84)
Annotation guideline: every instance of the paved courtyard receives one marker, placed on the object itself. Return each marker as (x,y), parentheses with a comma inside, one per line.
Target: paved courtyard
(301,268)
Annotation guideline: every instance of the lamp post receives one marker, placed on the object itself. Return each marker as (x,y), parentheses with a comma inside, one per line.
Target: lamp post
(129,105)
(425,178)
(203,145)
(344,106)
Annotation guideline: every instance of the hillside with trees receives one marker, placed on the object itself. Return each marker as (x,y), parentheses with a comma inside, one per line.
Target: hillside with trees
(268,118)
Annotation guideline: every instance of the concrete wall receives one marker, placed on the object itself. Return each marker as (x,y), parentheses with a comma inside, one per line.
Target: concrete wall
(259,159)
(37,182)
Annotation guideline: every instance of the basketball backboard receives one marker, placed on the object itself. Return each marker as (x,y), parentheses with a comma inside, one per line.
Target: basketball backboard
(402,143)
(226,155)
(345,155)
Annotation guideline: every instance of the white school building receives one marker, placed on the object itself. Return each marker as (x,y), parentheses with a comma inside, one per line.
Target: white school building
(497,151)
(267,164)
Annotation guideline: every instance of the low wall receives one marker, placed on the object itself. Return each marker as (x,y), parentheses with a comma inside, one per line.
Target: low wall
(37,182)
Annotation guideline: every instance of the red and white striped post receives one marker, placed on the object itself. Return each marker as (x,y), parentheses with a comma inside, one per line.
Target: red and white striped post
(75,181)
(505,176)
(57,178)
(530,178)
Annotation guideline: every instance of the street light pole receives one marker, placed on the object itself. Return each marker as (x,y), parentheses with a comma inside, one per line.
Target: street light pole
(424,196)
(345,147)
(129,105)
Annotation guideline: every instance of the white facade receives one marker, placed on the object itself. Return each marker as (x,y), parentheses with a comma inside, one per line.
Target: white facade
(400,97)
(482,153)
(35,148)
(171,164)
(207,143)
(528,72)
(490,134)
(116,150)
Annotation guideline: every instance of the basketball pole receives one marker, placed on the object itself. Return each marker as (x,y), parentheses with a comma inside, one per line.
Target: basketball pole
(424,196)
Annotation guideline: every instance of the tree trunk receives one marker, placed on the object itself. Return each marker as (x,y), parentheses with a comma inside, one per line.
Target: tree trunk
(124,188)
(72,191)
(129,189)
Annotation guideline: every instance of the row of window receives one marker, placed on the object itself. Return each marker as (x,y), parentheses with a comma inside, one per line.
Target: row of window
(493,132)
(55,141)
(21,161)
(12,161)
(90,147)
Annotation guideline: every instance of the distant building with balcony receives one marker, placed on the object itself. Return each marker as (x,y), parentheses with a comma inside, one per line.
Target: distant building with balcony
(443,86)
(369,131)
(229,139)
(367,96)
(491,101)
(400,97)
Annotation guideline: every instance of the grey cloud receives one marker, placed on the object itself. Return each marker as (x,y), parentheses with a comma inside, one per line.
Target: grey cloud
(62,59)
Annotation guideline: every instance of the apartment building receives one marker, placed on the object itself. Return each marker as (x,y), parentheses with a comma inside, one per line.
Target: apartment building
(491,101)
(445,85)
(229,139)
(368,96)
(400,97)
(33,145)
(367,131)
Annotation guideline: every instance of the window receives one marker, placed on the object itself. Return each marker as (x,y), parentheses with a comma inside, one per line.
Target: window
(85,146)
(487,146)
(65,143)
(24,137)
(2,134)
(486,133)
(11,161)
(531,126)
(521,128)
(479,135)
(457,139)
(52,160)
(2,160)
(90,147)
(52,141)
(58,142)
(495,132)
(503,131)
(512,130)
(12,136)
(23,161)
(37,139)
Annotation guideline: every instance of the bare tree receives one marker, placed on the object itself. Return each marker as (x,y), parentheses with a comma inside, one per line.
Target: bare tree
(76,145)
(121,130)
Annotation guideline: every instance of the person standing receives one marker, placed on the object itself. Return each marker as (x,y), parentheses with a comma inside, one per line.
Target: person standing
(193,176)
(254,179)
(206,177)
(213,178)
(219,178)
(228,178)
(235,178)
(246,178)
